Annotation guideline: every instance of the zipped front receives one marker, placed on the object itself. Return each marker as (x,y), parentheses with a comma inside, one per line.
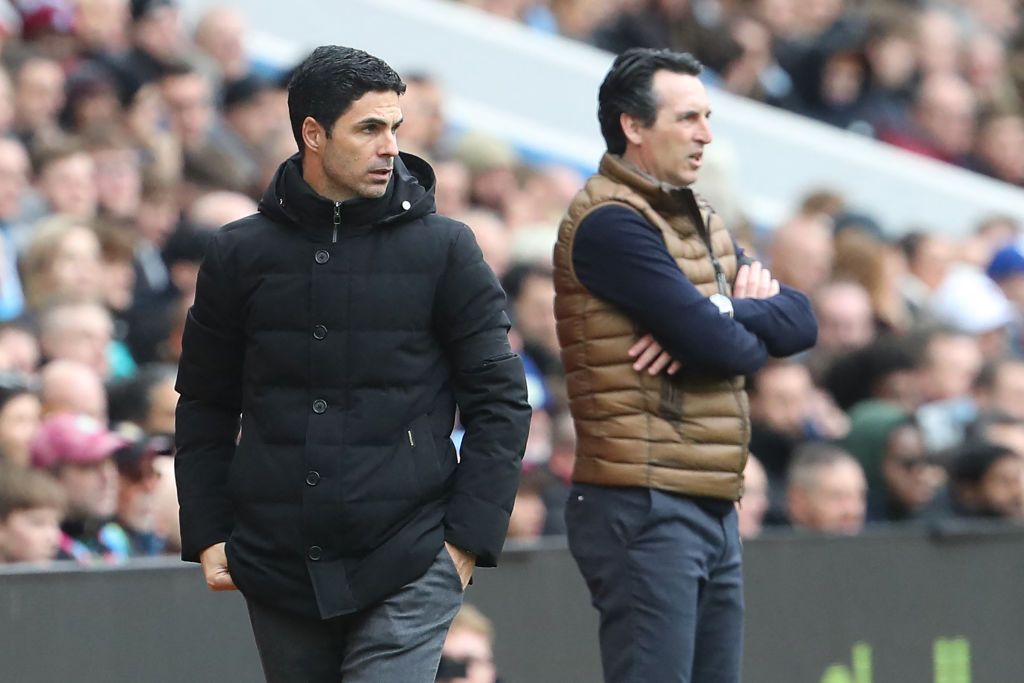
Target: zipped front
(735,383)
(337,222)
(704,230)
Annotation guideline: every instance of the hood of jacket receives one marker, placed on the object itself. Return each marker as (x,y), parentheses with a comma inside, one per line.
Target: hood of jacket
(289,199)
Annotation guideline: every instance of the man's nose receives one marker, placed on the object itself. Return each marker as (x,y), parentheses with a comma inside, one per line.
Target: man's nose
(390,148)
(704,134)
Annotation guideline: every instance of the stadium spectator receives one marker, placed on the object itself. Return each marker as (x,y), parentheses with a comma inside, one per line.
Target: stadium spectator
(79,331)
(801,253)
(38,98)
(249,123)
(556,474)
(452,187)
(999,387)
(492,235)
(844,313)
(19,348)
(137,494)
(158,39)
(146,400)
(63,261)
(997,151)
(70,386)
(79,452)
(826,491)
(20,411)
(214,209)
(31,507)
(885,369)
(531,293)
(423,108)
(101,27)
(468,652)
(863,257)
(528,513)
(92,100)
(781,395)
(1006,268)
(117,266)
(887,442)
(118,169)
(165,503)
(929,257)
(998,429)
(845,324)
(986,481)
(942,120)
(221,34)
(66,179)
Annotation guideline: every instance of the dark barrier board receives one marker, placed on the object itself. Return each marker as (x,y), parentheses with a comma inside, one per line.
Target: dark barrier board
(887,607)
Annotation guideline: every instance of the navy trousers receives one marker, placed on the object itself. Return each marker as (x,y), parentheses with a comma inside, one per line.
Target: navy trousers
(665,575)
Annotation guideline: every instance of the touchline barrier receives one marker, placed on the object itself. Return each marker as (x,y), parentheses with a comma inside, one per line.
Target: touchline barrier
(940,605)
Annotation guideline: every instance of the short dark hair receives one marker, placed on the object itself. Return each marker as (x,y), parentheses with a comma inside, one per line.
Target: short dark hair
(327,82)
(627,89)
(132,398)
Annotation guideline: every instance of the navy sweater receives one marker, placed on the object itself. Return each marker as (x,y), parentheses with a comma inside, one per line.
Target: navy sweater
(622,258)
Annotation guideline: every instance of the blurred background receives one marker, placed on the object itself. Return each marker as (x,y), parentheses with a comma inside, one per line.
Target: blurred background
(871,152)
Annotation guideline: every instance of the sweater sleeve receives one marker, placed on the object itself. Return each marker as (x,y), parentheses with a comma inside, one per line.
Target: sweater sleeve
(785,322)
(619,257)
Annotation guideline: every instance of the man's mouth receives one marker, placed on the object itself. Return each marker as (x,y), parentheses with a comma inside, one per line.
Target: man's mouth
(381,173)
(696,157)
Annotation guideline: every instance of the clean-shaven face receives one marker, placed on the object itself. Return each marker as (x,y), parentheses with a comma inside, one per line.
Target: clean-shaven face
(672,148)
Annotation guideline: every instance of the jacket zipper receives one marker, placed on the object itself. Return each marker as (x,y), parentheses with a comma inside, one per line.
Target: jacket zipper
(337,222)
(704,229)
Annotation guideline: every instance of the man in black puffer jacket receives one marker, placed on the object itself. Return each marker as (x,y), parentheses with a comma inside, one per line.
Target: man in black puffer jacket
(344,323)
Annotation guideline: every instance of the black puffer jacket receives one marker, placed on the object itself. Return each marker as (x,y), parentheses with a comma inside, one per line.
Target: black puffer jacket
(344,334)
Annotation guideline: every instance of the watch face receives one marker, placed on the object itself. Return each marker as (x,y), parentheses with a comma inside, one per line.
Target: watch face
(723,302)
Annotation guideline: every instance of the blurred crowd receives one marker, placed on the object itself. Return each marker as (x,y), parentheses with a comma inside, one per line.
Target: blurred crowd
(941,78)
(127,136)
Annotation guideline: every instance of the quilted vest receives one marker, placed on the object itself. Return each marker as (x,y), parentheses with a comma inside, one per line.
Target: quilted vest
(687,433)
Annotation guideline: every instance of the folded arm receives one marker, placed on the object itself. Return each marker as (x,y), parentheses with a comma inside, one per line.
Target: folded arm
(619,257)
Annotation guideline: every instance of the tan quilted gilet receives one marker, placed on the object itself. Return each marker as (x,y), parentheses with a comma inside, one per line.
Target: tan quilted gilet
(686,434)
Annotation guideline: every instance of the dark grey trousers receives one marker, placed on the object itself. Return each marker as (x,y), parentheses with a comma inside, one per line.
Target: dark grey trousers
(666,577)
(398,639)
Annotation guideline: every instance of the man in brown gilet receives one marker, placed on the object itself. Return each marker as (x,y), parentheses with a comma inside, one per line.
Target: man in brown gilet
(659,318)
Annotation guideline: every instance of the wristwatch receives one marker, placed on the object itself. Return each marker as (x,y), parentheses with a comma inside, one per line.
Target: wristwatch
(724,304)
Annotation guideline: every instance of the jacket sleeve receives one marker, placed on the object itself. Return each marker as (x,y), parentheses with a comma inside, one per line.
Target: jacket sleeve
(490,389)
(207,418)
(619,257)
(785,322)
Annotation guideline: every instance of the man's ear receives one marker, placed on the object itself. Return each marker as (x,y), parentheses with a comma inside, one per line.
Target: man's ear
(313,134)
(630,128)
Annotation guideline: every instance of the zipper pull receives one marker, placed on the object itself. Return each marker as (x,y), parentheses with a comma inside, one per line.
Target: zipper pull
(411,441)
(337,222)
(720,279)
